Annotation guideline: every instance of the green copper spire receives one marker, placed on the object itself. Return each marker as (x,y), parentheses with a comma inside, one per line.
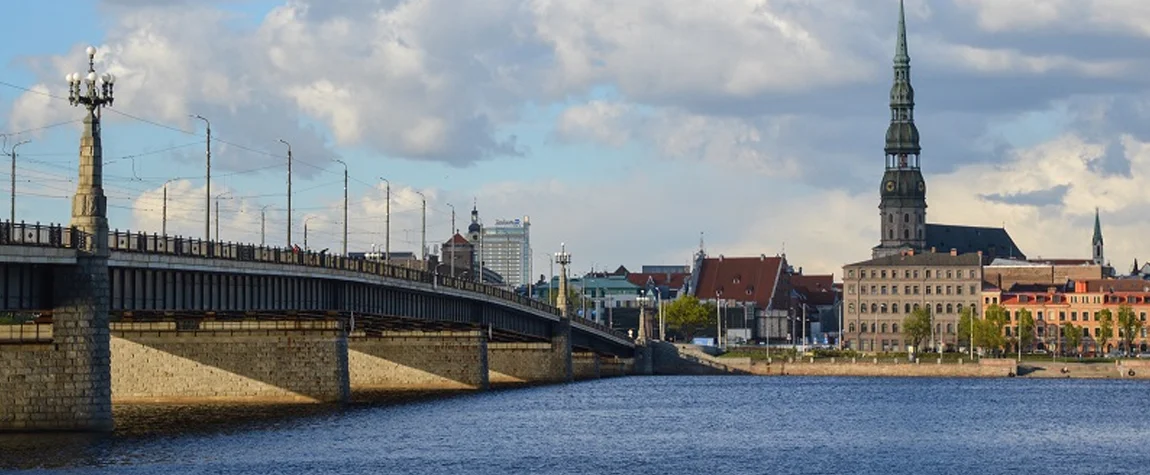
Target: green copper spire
(902,135)
(901,56)
(1097,228)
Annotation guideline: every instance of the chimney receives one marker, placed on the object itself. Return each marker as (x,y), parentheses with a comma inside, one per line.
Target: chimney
(720,258)
(953,251)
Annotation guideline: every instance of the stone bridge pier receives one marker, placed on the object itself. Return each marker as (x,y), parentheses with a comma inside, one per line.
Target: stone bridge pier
(230,361)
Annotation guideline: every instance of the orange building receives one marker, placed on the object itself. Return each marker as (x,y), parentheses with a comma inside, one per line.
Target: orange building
(1053,306)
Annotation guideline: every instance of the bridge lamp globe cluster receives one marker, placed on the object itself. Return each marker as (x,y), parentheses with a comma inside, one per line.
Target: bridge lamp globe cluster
(99,87)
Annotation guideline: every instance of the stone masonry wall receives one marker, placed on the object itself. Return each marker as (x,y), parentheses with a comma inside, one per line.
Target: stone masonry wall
(63,385)
(518,363)
(399,361)
(229,366)
(585,366)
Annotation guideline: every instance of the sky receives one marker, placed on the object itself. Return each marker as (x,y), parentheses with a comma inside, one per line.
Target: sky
(625,129)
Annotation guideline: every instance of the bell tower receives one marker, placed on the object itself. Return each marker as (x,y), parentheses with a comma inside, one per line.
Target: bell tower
(902,210)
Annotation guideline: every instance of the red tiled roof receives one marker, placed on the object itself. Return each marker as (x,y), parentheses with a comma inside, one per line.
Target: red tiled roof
(674,281)
(742,279)
(1117,285)
(818,289)
(458,239)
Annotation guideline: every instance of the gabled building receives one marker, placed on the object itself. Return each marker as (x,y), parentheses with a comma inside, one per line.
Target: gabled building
(667,285)
(760,285)
(820,298)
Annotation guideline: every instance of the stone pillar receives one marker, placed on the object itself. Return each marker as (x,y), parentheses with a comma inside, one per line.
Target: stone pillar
(561,350)
(644,361)
(66,385)
(585,366)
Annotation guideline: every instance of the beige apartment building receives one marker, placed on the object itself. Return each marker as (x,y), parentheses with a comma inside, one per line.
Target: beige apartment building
(880,293)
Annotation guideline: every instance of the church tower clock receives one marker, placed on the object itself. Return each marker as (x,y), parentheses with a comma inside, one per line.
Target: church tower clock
(902,210)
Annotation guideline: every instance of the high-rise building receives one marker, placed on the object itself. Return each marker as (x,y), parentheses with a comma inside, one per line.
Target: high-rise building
(504,247)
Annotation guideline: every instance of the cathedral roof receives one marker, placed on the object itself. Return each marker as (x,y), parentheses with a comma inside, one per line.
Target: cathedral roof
(993,242)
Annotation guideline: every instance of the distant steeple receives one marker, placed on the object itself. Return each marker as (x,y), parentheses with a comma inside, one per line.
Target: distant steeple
(902,141)
(1097,240)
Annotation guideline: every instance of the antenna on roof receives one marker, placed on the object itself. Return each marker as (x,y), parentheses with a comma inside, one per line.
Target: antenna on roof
(701,248)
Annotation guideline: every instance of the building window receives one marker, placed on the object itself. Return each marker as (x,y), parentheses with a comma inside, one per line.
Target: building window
(872,273)
(884,328)
(959,308)
(928,288)
(916,306)
(906,234)
(882,308)
(894,328)
(1142,316)
(873,290)
(894,290)
(1062,316)
(883,288)
(928,273)
(972,291)
(884,273)
(851,289)
(906,290)
(938,290)
(1074,316)
(852,328)
(874,308)
(949,275)
(916,274)
(906,308)
(938,309)
(890,234)
(916,290)
(851,273)
(958,289)
(950,328)
(1096,333)
(890,218)
(949,308)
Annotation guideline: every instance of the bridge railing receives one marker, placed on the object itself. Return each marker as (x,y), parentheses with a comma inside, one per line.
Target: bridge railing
(127,241)
(40,235)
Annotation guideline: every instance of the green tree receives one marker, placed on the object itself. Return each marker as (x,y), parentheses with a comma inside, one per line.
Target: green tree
(687,315)
(916,327)
(1129,326)
(966,326)
(988,332)
(1025,328)
(1073,335)
(1105,329)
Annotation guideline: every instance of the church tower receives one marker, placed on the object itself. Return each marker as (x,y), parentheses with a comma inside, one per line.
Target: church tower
(1097,241)
(903,207)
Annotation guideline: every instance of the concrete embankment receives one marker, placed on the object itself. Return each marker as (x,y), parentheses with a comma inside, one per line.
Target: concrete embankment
(690,359)
(1121,369)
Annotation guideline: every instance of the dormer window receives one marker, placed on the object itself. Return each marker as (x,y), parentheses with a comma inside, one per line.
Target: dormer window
(738,278)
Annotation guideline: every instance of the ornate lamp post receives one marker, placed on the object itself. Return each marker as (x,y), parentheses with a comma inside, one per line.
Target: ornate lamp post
(89,205)
(563,259)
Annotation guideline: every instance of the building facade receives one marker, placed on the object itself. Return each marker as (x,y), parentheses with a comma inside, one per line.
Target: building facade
(880,293)
(1078,304)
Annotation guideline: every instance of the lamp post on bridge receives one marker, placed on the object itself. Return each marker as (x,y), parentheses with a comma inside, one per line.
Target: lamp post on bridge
(90,205)
(207,179)
(423,227)
(263,223)
(289,243)
(452,240)
(218,197)
(305,221)
(164,212)
(12,217)
(387,222)
(563,259)
(341,162)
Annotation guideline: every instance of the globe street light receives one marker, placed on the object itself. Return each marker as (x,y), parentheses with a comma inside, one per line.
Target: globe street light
(89,205)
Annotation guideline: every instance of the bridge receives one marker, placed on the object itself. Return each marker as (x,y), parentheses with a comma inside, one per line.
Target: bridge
(92,316)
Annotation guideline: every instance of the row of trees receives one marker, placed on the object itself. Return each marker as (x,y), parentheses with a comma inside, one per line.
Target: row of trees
(990,335)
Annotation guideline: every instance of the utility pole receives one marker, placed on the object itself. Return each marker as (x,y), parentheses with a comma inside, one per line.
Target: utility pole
(341,162)
(221,195)
(452,240)
(263,224)
(718,320)
(12,217)
(289,243)
(207,180)
(309,218)
(423,227)
(387,223)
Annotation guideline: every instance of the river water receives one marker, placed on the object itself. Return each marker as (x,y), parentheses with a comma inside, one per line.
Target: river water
(650,425)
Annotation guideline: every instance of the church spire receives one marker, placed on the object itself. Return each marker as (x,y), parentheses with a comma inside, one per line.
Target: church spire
(901,55)
(1099,257)
(902,144)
